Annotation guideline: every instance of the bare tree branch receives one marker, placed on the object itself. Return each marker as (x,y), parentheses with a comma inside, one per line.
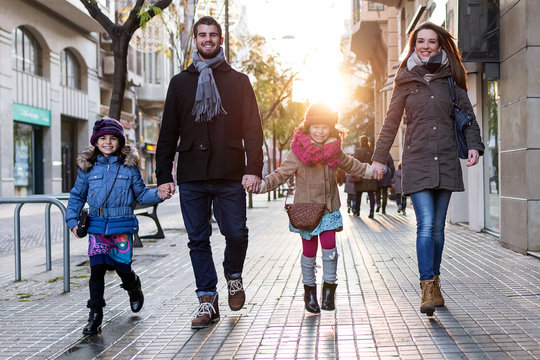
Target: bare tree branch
(98,15)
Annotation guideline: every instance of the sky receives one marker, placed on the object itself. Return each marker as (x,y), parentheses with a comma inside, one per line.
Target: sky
(307,35)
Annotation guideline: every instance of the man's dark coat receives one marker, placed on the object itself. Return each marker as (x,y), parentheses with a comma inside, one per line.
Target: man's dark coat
(226,148)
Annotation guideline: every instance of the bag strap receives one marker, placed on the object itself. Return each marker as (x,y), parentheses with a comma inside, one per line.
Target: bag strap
(452,91)
(288,192)
(109,193)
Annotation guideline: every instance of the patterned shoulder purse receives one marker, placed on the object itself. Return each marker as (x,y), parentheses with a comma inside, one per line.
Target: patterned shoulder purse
(304,216)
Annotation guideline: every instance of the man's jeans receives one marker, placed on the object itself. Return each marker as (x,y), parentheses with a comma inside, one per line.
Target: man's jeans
(228,201)
(430,207)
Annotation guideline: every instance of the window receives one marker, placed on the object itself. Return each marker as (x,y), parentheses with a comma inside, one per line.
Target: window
(153,66)
(70,69)
(356,11)
(375,6)
(26,52)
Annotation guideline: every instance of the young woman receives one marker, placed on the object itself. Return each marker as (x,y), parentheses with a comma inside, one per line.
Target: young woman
(110,180)
(430,164)
(314,158)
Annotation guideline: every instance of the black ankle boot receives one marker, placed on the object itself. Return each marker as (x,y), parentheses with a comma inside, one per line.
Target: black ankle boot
(327,296)
(136,297)
(310,299)
(95,319)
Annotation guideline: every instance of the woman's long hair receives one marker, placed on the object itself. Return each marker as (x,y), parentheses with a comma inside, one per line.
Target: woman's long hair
(446,42)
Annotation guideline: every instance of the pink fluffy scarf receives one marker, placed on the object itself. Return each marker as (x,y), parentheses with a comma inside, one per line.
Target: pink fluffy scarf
(311,154)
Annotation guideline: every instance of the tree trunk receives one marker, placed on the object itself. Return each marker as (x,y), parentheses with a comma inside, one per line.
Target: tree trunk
(119,77)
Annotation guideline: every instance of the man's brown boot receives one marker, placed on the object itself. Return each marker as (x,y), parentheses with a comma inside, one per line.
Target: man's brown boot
(438,300)
(427,307)
(237,296)
(208,312)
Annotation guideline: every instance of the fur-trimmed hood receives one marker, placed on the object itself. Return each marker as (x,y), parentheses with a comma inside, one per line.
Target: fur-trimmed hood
(129,153)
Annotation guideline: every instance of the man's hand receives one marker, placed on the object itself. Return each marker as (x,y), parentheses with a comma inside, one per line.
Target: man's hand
(166,191)
(378,170)
(252,183)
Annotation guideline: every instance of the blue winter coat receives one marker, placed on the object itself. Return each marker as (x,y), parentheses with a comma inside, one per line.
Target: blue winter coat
(93,184)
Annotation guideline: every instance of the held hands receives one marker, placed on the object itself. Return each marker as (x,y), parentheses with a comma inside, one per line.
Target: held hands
(473,158)
(378,170)
(252,183)
(166,191)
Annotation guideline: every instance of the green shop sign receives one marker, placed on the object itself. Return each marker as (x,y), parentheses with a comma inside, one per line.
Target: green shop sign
(31,115)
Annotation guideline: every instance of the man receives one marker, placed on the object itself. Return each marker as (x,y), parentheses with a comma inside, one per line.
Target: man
(212,109)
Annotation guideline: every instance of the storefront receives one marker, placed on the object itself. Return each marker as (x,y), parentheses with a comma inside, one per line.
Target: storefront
(28,129)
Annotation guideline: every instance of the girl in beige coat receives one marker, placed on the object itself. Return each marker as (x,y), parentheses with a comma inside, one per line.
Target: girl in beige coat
(314,158)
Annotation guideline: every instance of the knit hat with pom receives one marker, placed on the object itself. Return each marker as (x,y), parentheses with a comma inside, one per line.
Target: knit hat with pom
(108,126)
(320,114)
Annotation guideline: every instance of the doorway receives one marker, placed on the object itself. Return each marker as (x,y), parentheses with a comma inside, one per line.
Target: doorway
(491,159)
(28,159)
(69,145)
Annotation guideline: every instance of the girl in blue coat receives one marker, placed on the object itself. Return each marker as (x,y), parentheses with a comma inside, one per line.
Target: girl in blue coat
(110,181)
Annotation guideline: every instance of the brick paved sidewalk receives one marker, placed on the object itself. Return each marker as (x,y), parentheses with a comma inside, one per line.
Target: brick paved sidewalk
(492,300)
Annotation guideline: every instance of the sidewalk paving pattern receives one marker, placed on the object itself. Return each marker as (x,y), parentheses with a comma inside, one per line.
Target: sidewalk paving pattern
(492,298)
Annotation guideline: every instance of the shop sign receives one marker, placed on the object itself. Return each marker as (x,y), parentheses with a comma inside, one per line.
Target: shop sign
(31,115)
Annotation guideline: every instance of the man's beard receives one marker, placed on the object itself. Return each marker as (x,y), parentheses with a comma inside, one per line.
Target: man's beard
(209,55)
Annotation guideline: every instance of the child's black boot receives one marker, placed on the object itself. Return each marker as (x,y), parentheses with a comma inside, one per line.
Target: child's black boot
(95,318)
(136,297)
(328,296)
(310,299)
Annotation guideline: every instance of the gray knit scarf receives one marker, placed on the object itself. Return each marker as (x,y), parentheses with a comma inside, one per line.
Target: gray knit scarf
(207,99)
(433,64)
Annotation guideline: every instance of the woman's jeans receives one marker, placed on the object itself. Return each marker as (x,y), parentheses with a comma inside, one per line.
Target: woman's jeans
(227,199)
(430,207)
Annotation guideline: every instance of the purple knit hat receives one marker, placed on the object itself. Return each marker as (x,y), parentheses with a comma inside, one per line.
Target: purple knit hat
(108,126)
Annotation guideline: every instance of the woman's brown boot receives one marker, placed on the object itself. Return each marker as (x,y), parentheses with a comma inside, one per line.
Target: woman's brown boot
(438,300)
(427,306)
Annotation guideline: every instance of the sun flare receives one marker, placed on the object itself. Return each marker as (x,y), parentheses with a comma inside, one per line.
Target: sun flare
(313,89)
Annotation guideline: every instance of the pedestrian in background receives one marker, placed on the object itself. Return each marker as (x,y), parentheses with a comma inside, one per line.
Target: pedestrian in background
(212,120)
(363,154)
(110,181)
(431,166)
(401,200)
(351,194)
(315,156)
(384,184)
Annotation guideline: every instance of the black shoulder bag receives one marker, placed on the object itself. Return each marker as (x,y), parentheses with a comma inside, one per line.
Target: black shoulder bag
(84,216)
(461,121)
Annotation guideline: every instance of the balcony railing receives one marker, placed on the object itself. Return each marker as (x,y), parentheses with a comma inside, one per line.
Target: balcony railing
(74,102)
(32,90)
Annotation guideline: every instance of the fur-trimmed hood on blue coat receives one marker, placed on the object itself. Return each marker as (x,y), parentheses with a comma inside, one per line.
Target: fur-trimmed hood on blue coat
(94,180)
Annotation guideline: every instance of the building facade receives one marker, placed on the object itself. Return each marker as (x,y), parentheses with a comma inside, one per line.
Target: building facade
(498,40)
(56,80)
(49,89)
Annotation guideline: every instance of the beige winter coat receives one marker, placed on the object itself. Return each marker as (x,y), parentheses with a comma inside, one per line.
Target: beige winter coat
(315,183)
